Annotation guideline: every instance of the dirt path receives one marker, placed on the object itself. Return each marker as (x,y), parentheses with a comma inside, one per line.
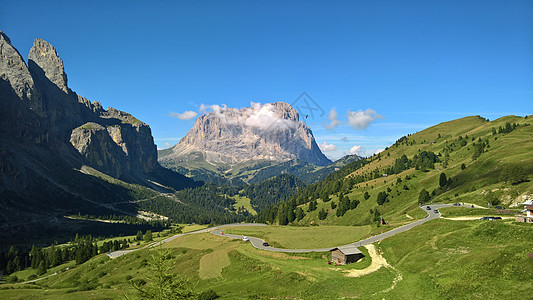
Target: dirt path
(377,262)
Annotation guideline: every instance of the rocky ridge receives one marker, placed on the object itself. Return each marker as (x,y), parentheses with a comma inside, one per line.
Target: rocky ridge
(49,132)
(271,132)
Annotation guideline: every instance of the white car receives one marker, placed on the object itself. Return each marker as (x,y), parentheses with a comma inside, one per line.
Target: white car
(245,239)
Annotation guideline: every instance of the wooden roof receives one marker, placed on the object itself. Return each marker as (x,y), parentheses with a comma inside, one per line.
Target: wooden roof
(348,250)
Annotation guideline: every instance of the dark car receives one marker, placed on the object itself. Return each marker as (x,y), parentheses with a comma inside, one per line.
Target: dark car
(265,244)
(485,218)
(496,218)
(499,207)
(428,208)
(457,204)
(436,211)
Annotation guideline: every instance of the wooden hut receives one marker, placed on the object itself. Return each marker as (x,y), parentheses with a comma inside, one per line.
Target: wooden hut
(345,255)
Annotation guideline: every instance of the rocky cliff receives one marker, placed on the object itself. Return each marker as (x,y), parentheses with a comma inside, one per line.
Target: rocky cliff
(231,136)
(49,132)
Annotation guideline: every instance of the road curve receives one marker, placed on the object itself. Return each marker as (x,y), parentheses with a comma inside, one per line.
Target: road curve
(431,214)
(115,254)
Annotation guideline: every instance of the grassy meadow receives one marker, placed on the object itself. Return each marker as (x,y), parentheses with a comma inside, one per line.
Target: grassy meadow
(440,259)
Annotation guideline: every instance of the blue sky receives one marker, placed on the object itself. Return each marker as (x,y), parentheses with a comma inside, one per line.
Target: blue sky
(388,68)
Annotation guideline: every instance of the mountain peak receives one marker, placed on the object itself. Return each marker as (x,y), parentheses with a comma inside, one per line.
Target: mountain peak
(270,131)
(5,37)
(44,55)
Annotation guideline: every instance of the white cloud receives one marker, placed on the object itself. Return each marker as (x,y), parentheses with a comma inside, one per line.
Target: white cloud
(345,139)
(257,116)
(357,149)
(183,116)
(333,121)
(361,119)
(325,147)
(379,150)
(166,144)
(214,108)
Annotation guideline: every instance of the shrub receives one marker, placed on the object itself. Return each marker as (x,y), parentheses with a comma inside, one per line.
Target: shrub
(208,295)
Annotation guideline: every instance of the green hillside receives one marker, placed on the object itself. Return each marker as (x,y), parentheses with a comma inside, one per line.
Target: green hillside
(482,161)
(438,260)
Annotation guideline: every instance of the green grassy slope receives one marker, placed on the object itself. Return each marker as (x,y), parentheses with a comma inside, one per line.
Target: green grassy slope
(481,181)
(440,259)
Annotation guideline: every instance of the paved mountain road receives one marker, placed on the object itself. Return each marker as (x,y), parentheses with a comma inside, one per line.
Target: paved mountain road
(258,243)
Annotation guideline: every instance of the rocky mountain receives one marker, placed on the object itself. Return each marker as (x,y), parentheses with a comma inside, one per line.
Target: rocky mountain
(50,135)
(252,137)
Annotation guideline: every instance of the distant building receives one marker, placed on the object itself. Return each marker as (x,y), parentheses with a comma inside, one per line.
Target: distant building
(527,213)
(345,255)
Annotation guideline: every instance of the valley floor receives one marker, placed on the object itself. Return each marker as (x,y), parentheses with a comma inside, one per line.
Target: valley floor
(440,259)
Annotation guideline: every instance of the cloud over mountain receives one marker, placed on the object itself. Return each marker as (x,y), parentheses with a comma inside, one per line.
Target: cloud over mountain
(325,147)
(187,115)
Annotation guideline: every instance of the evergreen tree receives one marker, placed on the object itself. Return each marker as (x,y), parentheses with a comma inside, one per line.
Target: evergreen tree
(322,214)
(312,205)
(366,195)
(161,283)
(147,237)
(139,235)
(41,269)
(443,181)
(354,203)
(299,213)
(423,197)
(382,198)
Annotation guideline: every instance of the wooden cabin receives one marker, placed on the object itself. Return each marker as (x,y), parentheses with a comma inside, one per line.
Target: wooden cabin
(345,255)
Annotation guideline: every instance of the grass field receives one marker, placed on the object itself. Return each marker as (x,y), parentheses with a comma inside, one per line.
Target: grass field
(297,237)
(242,201)
(440,259)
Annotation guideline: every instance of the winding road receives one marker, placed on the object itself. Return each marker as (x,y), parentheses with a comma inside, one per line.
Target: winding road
(258,243)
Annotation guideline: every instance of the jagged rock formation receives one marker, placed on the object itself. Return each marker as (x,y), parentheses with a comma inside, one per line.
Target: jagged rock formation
(231,136)
(49,132)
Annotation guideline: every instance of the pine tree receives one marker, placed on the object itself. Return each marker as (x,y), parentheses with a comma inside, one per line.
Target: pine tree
(147,236)
(161,283)
(423,197)
(443,181)
(322,214)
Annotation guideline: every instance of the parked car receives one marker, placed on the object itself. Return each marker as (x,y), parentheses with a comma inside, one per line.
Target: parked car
(457,204)
(491,218)
(499,207)
(265,244)
(245,239)
(428,208)
(436,211)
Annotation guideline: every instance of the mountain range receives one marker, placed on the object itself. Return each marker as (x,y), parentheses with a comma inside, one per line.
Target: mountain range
(249,145)
(56,146)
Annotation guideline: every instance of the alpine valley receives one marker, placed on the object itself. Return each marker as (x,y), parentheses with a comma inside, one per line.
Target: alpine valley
(246,205)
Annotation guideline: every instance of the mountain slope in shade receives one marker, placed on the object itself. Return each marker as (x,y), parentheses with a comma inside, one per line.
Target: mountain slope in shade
(49,133)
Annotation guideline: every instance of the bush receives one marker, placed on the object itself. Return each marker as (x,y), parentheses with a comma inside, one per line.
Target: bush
(208,295)
(32,277)
(12,279)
